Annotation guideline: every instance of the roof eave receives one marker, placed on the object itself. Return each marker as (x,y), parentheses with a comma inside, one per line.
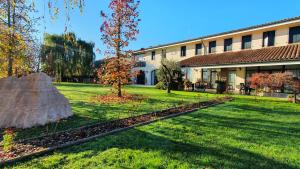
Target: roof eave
(261,26)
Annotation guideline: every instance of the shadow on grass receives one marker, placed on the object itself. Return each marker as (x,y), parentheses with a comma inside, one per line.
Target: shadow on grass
(220,138)
(221,156)
(275,110)
(84,114)
(77,85)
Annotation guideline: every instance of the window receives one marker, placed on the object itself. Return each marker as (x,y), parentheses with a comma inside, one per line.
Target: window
(212,47)
(246,42)
(183,51)
(205,75)
(231,80)
(228,45)
(268,38)
(188,72)
(294,35)
(153,55)
(198,49)
(163,53)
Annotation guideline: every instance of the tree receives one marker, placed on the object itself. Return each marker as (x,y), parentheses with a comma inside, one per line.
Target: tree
(118,29)
(52,54)
(66,57)
(17,28)
(169,73)
(276,81)
(259,81)
(54,10)
(68,4)
(110,75)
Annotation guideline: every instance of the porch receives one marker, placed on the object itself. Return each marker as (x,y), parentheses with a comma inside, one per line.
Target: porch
(235,68)
(237,79)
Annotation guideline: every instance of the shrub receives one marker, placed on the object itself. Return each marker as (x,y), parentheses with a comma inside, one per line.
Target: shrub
(187,83)
(221,86)
(259,81)
(8,140)
(161,85)
(170,73)
(273,81)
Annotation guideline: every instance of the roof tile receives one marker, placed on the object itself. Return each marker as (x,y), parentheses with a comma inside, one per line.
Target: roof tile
(264,55)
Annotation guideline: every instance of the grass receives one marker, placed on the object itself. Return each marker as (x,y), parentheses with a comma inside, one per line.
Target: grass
(244,133)
(87,112)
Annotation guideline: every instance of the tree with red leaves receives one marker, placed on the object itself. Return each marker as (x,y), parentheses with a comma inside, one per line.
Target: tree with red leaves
(118,29)
(276,81)
(259,81)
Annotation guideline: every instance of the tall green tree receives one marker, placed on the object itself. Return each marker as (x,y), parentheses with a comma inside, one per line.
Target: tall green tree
(65,56)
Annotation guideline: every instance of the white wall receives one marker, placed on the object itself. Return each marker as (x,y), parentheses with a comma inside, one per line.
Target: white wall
(173,52)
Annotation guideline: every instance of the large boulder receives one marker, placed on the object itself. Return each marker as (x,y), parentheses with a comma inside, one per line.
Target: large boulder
(31,101)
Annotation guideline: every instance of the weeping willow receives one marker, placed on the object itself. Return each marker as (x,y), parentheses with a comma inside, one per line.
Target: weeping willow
(65,56)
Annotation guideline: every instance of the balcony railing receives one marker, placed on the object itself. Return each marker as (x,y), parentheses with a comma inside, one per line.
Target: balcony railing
(140,64)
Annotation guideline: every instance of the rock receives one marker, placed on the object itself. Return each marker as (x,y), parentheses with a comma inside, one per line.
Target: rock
(31,101)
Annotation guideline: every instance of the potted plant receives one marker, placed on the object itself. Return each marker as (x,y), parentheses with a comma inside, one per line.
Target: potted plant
(221,86)
(187,84)
(200,86)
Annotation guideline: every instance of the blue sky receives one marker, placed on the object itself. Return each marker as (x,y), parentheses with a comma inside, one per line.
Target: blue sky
(165,21)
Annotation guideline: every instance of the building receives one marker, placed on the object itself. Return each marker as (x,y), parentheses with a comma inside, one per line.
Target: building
(232,56)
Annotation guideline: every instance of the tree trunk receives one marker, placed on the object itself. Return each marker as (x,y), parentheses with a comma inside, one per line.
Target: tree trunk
(168,88)
(169,78)
(295,98)
(9,54)
(119,89)
(118,60)
(169,84)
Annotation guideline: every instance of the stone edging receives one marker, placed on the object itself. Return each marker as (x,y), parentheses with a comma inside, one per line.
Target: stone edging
(51,149)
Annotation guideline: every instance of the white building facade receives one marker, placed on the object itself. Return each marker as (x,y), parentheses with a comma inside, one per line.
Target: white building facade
(232,55)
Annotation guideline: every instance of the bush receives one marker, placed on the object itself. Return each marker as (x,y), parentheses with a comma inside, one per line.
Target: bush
(187,84)
(170,73)
(8,140)
(161,85)
(221,86)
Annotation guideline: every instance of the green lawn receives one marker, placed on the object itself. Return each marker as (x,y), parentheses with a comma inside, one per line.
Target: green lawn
(244,133)
(87,112)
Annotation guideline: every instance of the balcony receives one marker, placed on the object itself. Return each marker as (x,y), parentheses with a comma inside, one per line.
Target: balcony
(140,64)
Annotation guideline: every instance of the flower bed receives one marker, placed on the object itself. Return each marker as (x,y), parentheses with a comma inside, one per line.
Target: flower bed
(40,145)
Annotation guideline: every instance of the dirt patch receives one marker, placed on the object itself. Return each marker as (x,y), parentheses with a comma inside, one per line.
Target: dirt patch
(113,98)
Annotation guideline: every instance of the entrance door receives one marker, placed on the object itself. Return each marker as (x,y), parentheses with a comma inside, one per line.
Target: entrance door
(141,78)
(231,80)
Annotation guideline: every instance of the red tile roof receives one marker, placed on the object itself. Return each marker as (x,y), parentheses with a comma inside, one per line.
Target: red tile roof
(264,55)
